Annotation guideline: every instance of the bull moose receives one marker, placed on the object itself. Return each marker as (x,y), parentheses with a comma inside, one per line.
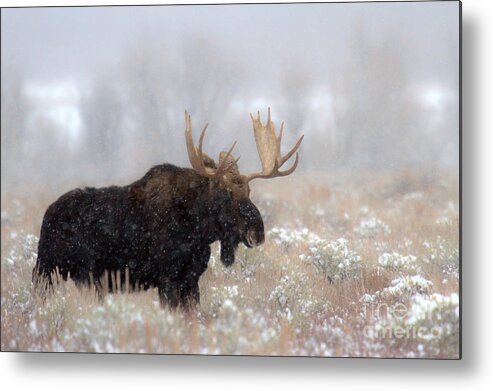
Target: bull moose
(157,231)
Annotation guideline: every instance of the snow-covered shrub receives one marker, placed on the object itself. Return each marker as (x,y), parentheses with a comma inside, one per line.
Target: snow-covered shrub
(294,301)
(289,237)
(249,260)
(449,214)
(339,222)
(14,214)
(19,263)
(318,210)
(289,294)
(435,310)
(406,285)
(5,218)
(400,289)
(430,321)
(333,259)
(417,195)
(101,328)
(443,220)
(220,296)
(439,252)
(450,271)
(397,262)
(371,227)
(443,255)
(24,252)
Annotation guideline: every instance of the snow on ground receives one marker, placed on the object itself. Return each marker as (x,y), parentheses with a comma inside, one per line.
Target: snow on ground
(366,271)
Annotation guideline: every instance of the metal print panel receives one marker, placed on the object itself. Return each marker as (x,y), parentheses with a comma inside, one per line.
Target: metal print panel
(129,223)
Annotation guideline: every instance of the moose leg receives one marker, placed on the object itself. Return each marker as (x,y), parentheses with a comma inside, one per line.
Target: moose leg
(169,294)
(195,294)
(189,295)
(42,283)
(100,290)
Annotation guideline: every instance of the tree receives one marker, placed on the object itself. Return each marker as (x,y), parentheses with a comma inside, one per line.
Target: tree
(379,122)
(15,106)
(102,115)
(162,81)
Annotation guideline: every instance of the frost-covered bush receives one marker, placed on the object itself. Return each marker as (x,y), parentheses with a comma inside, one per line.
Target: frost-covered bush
(407,285)
(289,237)
(293,299)
(5,218)
(18,263)
(443,220)
(417,195)
(289,294)
(450,271)
(14,214)
(400,288)
(439,252)
(333,259)
(449,215)
(24,251)
(339,222)
(397,262)
(318,210)
(328,334)
(442,255)
(279,294)
(102,328)
(220,296)
(430,321)
(435,310)
(249,260)
(52,318)
(270,301)
(371,227)
(229,330)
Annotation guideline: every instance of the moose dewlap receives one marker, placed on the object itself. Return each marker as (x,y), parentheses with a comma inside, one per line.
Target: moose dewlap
(157,231)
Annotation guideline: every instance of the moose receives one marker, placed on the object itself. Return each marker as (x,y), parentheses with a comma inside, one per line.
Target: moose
(157,231)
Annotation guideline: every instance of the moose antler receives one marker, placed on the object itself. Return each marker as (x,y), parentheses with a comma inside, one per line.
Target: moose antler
(196,156)
(269,149)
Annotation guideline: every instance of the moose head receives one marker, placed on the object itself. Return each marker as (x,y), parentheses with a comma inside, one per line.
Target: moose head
(229,191)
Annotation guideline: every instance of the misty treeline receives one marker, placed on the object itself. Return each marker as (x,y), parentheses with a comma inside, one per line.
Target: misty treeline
(363,114)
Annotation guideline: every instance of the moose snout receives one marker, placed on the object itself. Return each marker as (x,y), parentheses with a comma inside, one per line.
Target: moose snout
(255,238)
(252,230)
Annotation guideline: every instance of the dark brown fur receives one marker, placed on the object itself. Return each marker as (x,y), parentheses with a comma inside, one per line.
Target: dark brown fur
(158,229)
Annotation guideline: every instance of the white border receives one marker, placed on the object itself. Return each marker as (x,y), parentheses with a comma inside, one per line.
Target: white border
(87,372)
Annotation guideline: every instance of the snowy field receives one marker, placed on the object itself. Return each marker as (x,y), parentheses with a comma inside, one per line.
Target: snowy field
(354,264)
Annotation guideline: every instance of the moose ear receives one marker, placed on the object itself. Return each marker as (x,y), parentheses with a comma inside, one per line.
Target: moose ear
(230,161)
(208,161)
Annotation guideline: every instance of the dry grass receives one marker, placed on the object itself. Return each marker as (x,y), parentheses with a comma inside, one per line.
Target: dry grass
(276,299)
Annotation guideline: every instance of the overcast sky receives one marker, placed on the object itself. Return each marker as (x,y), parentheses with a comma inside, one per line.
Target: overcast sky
(329,70)
(54,43)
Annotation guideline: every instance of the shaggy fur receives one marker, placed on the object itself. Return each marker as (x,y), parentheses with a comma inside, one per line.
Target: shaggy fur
(157,229)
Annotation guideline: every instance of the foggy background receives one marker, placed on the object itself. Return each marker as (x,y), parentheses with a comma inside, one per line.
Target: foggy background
(96,96)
